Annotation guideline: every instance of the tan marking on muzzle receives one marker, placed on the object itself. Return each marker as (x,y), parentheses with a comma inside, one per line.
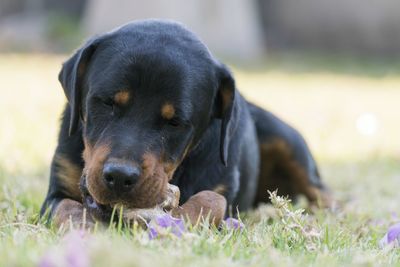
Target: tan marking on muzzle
(149,164)
(94,158)
(151,188)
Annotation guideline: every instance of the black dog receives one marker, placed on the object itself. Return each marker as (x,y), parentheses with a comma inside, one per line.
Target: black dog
(149,105)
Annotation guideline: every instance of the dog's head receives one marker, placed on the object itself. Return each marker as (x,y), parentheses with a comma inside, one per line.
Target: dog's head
(144,95)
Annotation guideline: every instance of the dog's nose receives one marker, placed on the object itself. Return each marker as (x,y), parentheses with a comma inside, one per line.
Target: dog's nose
(119,177)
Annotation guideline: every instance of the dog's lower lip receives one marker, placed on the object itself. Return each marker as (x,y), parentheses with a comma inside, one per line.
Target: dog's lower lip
(91,202)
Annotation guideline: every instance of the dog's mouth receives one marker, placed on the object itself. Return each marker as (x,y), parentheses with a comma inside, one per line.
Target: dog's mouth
(98,211)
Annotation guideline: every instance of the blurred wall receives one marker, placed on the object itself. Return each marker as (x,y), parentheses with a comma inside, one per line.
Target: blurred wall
(354,26)
(230,28)
(40,25)
(240,30)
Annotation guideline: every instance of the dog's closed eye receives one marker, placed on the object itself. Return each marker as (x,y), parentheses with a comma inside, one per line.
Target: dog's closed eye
(175,122)
(109,104)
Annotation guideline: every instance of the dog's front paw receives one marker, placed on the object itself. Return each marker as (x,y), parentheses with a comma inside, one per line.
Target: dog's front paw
(71,213)
(205,205)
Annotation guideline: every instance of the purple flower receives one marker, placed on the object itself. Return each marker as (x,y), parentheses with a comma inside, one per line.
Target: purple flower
(152,232)
(166,222)
(75,252)
(232,223)
(71,252)
(392,236)
(48,260)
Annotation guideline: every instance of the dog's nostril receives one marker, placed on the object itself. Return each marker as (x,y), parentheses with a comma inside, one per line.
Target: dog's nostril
(109,179)
(128,183)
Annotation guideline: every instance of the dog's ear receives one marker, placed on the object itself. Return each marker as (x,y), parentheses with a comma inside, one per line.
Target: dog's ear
(225,110)
(71,77)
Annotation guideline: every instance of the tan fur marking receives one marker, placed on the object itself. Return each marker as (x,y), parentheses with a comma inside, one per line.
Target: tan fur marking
(122,97)
(170,169)
(149,164)
(87,151)
(227,98)
(280,171)
(151,189)
(94,161)
(271,154)
(220,189)
(69,175)
(168,111)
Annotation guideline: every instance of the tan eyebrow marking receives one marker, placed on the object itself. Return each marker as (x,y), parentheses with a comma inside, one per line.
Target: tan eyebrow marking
(167,111)
(122,97)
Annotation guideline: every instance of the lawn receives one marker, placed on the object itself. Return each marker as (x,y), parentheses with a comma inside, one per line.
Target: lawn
(347,111)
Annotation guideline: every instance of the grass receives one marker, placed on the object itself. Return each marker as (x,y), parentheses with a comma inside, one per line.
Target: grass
(362,170)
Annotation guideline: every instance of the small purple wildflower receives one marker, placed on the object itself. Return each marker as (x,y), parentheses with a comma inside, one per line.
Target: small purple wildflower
(234,224)
(71,252)
(393,233)
(152,232)
(75,252)
(392,236)
(166,222)
(48,260)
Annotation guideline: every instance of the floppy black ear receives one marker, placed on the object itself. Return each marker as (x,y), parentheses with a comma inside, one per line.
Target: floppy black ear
(225,110)
(71,78)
